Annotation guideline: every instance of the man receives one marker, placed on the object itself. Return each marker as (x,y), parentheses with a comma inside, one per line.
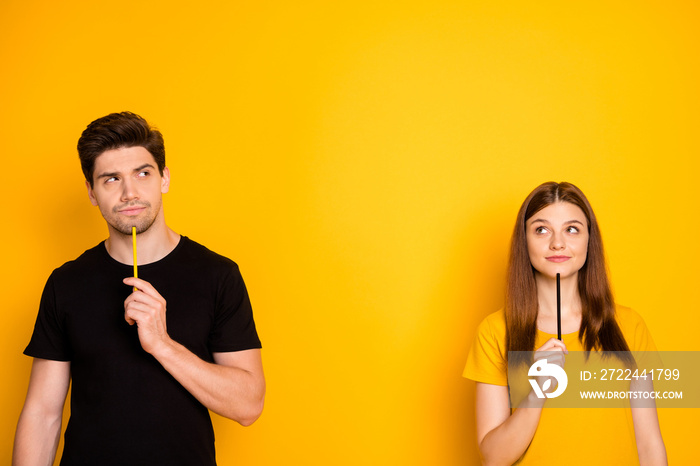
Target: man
(148,356)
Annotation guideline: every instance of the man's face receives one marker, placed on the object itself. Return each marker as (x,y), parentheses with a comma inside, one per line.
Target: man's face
(128,189)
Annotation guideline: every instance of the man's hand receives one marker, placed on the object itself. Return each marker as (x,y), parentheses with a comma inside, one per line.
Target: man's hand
(145,307)
(233,386)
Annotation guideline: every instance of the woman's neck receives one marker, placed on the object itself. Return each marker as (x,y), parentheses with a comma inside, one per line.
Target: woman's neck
(547,304)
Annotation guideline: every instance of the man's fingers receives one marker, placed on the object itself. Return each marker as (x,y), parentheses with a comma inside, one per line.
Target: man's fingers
(144,286)
(143,298)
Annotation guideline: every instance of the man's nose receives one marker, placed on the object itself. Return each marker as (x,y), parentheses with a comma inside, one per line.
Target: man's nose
(129,190)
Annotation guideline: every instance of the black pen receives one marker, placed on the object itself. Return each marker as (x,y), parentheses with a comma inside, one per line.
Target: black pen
(558,309)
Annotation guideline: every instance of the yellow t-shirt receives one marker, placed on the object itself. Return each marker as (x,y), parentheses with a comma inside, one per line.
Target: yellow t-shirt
(571,436)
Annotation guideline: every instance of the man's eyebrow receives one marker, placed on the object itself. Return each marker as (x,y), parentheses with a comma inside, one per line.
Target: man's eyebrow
(145,165)
(108,174)
(137,169)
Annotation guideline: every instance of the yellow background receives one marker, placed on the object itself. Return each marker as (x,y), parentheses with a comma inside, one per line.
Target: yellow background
(363,162)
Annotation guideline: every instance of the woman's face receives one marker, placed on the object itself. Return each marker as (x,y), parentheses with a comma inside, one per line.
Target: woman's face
(557,240)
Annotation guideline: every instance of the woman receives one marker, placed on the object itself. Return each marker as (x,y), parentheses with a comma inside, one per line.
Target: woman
(556,232)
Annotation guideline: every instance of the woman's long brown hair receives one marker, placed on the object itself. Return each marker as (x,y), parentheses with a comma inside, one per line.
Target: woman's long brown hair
(599,330)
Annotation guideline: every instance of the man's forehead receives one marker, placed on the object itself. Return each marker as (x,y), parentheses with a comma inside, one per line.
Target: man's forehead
(123,159)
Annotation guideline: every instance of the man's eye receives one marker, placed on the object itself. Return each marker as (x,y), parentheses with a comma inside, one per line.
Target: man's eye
(143,174)
(111,179)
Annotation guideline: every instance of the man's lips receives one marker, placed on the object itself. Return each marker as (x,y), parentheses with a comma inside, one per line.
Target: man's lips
(132,210)
(558,258)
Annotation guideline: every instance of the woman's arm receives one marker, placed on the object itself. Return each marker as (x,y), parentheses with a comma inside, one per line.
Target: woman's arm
(503,437)
(650,444)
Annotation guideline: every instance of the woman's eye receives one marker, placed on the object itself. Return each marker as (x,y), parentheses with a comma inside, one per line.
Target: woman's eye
(572,229)
(540,230)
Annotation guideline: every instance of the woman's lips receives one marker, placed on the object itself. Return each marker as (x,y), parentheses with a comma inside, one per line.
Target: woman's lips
(558,258)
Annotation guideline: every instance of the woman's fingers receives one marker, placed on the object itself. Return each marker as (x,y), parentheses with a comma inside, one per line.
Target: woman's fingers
(553,344)
(553,351)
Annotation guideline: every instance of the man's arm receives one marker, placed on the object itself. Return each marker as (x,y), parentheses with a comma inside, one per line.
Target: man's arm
(39,425)
(234,386)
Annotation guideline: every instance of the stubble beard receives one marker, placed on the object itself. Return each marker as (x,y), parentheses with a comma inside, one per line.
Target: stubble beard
(124,225)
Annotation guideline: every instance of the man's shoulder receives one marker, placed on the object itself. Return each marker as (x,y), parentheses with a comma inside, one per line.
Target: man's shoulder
(85,262)
(198,254)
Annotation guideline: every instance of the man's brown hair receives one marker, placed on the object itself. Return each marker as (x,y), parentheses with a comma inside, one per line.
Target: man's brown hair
(116,131)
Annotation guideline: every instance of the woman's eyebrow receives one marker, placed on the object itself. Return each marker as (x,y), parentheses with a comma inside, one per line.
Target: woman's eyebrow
(541,220)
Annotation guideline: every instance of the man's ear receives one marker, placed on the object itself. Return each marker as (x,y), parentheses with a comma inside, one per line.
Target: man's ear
(165,181)
(91,195)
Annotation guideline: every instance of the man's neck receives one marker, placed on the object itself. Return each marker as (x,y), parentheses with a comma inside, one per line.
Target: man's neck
(152,245)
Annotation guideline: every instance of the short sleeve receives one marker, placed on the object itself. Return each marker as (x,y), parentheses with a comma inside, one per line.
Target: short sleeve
(234,327)
(49,340)
(635,330)
(487,361)
(638,338)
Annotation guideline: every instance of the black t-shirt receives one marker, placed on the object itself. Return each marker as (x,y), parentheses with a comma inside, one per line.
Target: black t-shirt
(125,408)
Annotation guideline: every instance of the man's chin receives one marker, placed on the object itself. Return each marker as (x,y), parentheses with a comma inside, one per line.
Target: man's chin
(125,229)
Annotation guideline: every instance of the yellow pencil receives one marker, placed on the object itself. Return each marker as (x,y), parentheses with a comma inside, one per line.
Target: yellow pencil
(133,235)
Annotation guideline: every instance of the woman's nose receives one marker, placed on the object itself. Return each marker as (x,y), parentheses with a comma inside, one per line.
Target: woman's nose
(557,242)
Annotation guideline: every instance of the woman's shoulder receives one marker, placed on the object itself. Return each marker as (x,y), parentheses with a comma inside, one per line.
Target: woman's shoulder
(627,317)
(486,361)
(492,331)
(634,329)
(494,323)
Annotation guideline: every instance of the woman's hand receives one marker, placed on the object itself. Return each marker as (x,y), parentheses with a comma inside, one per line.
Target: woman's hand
(553,352)
(552,346)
